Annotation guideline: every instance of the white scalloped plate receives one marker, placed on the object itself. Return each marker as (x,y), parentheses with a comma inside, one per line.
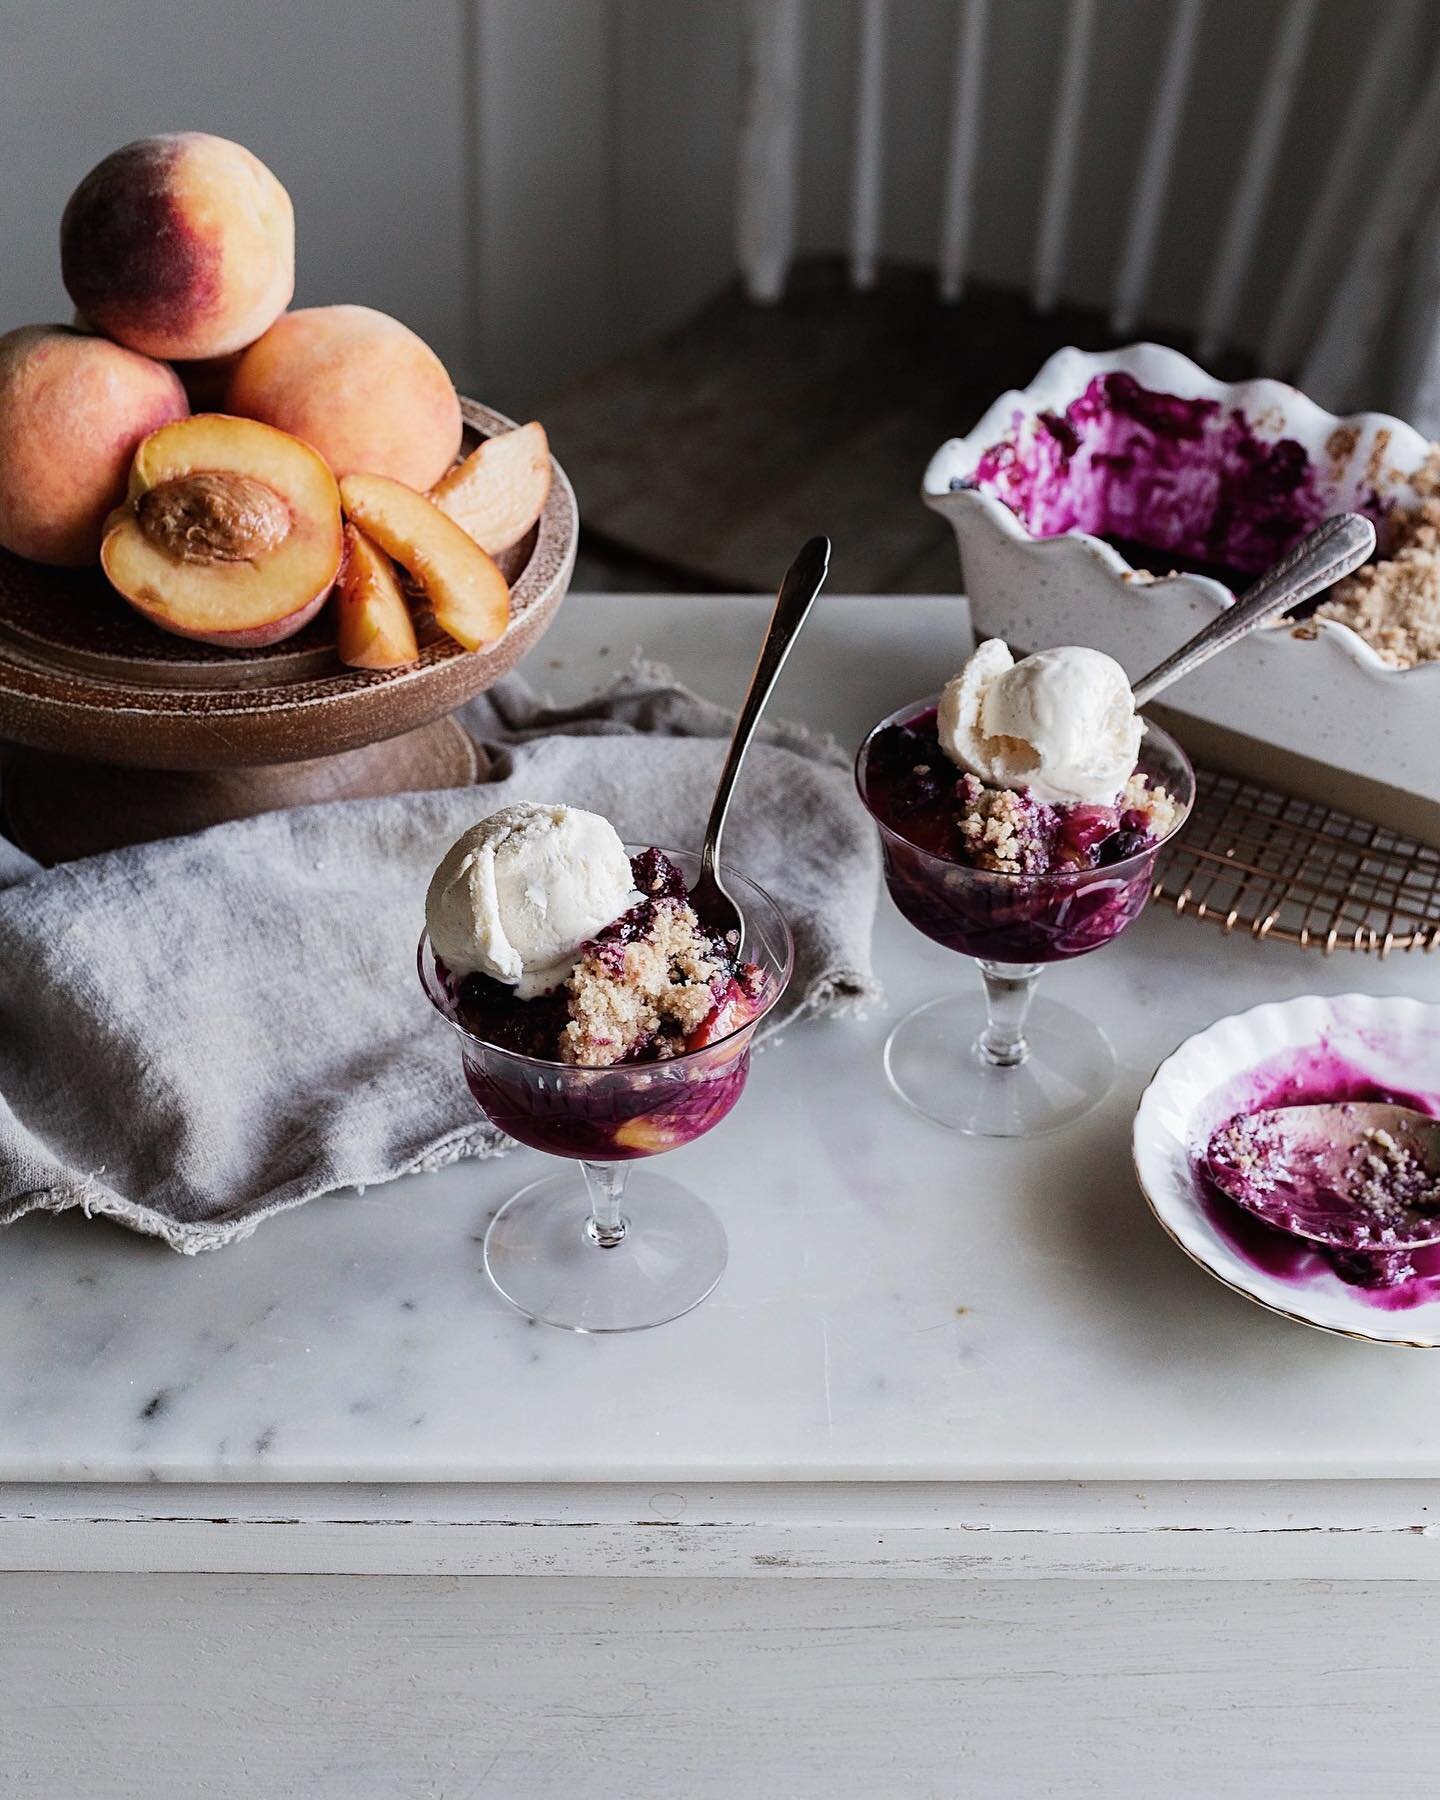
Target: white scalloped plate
(1395,1042)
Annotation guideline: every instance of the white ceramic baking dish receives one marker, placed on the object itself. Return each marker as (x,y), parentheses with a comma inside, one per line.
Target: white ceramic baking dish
(1317,714)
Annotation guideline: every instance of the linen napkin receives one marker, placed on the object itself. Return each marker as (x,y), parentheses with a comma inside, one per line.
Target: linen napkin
(198,1033)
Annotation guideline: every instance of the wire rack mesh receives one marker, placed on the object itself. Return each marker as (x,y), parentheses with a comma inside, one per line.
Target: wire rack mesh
(1300,873)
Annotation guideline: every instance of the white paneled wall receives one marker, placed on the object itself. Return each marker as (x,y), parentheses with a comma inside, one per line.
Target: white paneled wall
(537,184)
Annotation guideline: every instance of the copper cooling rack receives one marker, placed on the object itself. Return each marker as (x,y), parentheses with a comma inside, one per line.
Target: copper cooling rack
(1293,870)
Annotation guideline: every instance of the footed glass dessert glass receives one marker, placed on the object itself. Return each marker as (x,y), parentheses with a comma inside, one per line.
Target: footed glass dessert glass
(1004,1064)
(595,1249)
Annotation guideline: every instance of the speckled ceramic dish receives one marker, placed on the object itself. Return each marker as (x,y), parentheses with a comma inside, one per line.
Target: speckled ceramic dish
(1349,1047)
(1139,448)
(91,692)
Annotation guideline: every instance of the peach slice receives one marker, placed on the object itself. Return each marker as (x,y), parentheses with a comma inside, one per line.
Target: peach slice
(373,621)
(647,1135)
(230,532)
(499,491)
(466,592)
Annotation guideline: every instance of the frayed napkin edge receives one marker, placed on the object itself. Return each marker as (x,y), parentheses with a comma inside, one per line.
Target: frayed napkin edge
(191,1239)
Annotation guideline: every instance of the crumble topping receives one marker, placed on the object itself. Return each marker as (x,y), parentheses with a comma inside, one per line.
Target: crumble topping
(1390,1174)
(998,828)
(654,990)
(1158,807)
(652,985)
(1394,602)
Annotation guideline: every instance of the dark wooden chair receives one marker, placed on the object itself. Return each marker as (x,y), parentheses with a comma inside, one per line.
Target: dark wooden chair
(810,395)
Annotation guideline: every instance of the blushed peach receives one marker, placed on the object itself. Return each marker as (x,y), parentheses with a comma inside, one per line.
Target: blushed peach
(73,408)
(371,397)
(181,245)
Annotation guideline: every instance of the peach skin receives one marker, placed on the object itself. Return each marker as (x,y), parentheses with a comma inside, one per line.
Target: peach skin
(180,246)
(73,408)
(371,397)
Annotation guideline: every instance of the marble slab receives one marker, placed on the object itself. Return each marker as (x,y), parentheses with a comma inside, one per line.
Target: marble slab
(900,1303)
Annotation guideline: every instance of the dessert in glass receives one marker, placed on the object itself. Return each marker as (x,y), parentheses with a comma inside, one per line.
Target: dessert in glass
(598,1020)
(1020,815)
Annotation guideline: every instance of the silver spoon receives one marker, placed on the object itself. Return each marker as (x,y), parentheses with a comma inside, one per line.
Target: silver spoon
(1330,552)
(803,581)
(1294,1163)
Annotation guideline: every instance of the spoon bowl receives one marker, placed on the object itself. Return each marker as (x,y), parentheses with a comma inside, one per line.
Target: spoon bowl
(1351,1176)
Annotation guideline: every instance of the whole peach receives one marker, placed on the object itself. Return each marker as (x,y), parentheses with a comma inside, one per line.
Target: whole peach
(181,245)
(72,410)
(359,386)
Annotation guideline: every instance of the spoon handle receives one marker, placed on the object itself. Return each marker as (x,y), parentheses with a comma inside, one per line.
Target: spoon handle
(1331,551)
(803,581)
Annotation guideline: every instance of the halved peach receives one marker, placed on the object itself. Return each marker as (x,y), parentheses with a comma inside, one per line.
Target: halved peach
(466,592)
(372,619)
(230,532)
(499,491)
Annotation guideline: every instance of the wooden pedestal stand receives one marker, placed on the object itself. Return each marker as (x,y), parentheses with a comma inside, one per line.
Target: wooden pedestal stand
(117,733)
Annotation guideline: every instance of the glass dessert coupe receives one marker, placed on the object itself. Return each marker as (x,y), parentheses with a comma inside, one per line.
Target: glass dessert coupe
(1006,1065)
(596,1249)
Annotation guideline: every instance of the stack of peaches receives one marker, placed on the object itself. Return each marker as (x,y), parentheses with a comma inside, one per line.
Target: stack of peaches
(330,463)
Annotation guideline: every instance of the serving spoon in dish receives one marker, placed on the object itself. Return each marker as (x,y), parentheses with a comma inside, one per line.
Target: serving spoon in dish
(1354,1176)
(1329,553)
(803,581)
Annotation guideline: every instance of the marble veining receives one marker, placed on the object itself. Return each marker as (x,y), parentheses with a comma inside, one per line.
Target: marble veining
(899,1302)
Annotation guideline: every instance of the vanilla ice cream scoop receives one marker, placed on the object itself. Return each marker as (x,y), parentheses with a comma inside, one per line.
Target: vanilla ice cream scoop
(517,895)
(1060,723)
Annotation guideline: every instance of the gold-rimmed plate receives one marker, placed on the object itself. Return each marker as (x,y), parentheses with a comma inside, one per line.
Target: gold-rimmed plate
(1321,1044)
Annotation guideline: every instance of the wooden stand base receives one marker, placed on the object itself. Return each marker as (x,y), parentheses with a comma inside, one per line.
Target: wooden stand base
(58,808)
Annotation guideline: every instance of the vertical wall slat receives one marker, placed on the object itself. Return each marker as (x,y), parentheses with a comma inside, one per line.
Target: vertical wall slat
(1362,117)
(869,168)
(1414,392)
(962,148)
(1247,207)
(1157,157)
(1063,156)
(472,191)
(768,183)
(1347,340)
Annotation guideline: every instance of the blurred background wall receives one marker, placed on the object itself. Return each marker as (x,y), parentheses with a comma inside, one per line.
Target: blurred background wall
(537,185)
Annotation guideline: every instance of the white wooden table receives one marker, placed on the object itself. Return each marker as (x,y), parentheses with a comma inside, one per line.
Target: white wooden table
(963,1482)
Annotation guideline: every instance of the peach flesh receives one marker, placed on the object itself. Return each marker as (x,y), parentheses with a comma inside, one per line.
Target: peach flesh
(73,408)
(230,533)
(372,622)
(181,245)
(465,589)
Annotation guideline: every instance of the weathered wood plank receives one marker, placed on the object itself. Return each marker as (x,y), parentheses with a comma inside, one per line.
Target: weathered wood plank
(900,1531)
(715,449)
(334,1689)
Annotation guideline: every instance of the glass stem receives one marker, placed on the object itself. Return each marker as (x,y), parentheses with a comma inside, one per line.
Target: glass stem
(606,1226)
(1009,989)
